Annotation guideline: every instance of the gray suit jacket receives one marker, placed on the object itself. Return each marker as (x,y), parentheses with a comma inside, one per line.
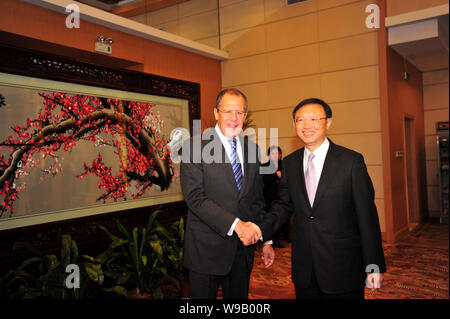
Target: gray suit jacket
(214,202)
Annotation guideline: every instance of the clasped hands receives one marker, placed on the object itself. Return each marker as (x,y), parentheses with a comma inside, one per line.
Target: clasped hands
(248,232)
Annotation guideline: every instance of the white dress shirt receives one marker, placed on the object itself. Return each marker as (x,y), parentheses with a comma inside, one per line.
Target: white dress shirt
(319,158)
(227,147)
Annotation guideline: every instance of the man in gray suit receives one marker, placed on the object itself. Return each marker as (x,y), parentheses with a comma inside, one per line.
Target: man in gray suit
(223,190)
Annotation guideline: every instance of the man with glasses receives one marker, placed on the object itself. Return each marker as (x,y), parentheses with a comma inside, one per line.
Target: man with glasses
(336,237)
(224,195)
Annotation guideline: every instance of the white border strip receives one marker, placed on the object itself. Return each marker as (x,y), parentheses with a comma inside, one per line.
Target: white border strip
(421,30)
(418,15)
(91,14)
(48,217)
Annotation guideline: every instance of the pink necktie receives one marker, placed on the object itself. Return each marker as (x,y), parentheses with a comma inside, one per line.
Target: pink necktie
(310,177)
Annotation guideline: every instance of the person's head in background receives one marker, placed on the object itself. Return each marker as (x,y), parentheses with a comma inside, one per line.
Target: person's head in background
(275,154)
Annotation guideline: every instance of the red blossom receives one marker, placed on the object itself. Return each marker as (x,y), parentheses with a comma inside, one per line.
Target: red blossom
(70,118)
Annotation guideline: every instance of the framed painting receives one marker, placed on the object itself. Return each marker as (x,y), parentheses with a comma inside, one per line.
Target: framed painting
(79,140)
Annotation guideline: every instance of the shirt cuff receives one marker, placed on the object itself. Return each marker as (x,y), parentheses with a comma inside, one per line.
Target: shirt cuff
(269,242)
(231,231)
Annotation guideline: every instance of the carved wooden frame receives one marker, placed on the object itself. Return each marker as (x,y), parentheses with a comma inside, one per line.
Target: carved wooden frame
(85,230)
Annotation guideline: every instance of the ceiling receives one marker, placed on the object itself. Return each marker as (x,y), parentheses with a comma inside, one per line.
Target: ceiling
(108,5)
(423,43)
(129,8)
(110,2)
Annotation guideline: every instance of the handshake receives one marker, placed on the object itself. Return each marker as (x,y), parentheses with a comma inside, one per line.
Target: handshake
(248,232)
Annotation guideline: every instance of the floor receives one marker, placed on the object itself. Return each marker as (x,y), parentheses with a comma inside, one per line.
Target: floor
(417,268)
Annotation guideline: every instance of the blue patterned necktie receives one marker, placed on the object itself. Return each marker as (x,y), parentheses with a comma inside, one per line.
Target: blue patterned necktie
(235,164)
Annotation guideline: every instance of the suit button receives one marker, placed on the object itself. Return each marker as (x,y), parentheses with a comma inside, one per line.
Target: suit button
(311,218)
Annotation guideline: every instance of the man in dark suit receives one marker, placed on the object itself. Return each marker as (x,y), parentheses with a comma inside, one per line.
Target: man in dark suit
(223,190)
(336,237)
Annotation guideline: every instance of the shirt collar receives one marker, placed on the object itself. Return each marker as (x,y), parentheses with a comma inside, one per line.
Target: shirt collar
(225,139)
(321,151)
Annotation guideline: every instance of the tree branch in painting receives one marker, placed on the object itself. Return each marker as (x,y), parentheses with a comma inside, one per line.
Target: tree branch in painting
(131,127)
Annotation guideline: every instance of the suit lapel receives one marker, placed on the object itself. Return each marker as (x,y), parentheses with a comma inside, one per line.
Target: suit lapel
(301,171)
(301,180)
(226,162)
(330,167)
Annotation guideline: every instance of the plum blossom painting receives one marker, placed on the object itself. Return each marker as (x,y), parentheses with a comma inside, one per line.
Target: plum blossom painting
(70,150)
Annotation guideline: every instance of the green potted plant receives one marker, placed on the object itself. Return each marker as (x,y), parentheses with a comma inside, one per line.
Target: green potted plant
(138,263)
(45,275)
(146,262)
(174,248)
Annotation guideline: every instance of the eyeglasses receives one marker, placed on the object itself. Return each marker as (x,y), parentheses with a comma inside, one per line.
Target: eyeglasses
(229,112)
(313,120)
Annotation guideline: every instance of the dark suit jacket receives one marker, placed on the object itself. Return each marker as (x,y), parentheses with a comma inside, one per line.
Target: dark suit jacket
(271,182)
(340,235)
(214,202)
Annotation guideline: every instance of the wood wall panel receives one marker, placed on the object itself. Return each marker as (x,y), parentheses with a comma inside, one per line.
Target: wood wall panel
(317,48)
(405,99)
(396,7)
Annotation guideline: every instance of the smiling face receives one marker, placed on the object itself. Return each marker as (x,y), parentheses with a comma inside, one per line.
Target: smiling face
(312,134)
(229,121)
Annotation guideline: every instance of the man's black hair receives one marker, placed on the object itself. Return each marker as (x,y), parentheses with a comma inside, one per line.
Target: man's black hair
(326,107)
